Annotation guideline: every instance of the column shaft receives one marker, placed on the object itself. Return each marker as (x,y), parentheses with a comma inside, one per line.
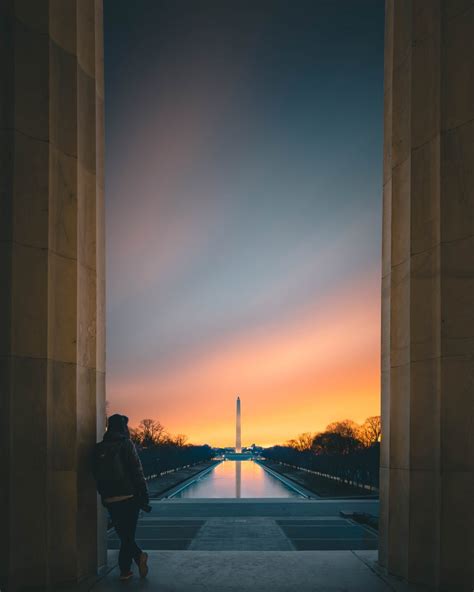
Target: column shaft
(52,300)
(427,457)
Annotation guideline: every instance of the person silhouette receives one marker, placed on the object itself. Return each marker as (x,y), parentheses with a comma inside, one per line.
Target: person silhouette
(121,484)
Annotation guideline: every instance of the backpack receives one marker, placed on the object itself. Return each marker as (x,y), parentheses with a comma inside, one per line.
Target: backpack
(108,463)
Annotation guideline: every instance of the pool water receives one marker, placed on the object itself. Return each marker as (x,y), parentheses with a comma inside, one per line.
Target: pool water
(237,479)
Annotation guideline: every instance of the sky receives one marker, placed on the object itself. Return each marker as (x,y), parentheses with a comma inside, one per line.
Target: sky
(243,214)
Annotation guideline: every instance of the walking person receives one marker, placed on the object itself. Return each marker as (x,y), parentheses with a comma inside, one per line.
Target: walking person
(123,490)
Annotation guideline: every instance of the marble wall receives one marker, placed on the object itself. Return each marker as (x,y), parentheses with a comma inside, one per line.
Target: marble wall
(428,294)
(52,344)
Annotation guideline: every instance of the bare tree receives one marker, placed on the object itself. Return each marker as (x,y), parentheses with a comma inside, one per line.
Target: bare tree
(151,432)
(135,436)
(346,428)
(302,442)
(331,442)
(179,440)
(371,431)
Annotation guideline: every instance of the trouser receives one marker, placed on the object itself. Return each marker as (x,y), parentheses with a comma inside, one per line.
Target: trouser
(124,517)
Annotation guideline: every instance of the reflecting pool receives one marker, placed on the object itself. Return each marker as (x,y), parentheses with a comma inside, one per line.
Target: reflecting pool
(237,478)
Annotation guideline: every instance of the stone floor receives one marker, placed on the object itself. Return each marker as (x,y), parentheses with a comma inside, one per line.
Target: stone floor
(255,545)
(261,571)
(253,525)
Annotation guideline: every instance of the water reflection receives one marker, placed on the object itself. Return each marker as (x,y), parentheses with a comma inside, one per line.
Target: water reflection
(237,479)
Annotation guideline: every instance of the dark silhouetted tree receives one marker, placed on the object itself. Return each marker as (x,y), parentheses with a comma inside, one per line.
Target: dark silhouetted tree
(346,428)
(179,440)
(150,432)
(334,443)
(370,431)
(302,442)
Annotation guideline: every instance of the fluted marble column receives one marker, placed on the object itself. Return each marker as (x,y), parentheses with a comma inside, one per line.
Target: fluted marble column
(52,366)
(428,294)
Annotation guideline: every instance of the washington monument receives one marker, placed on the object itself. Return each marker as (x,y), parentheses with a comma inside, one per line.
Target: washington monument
(238,440)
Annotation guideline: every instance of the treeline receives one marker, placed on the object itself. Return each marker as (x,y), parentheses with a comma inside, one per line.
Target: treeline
(344,450)
(161,452)
(340,437)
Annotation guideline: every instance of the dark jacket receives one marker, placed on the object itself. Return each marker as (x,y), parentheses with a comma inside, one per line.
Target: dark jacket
(132,481)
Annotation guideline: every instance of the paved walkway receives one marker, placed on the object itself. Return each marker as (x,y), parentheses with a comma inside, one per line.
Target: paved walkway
(294,507)
(256,545)
(235,534)
(288,524)
(262,571)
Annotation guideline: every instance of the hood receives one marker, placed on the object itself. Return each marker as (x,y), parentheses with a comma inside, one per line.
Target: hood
(117,428)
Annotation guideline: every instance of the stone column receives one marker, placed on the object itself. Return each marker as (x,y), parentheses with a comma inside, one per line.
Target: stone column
(52,366)
(428,294)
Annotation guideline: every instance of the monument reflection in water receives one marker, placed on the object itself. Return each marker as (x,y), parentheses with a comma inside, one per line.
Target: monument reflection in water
(237,479)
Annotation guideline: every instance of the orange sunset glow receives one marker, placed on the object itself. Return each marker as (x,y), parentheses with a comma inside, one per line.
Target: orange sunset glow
(317,367)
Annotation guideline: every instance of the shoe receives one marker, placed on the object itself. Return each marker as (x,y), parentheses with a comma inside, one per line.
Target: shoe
(142,565)
(126,575)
